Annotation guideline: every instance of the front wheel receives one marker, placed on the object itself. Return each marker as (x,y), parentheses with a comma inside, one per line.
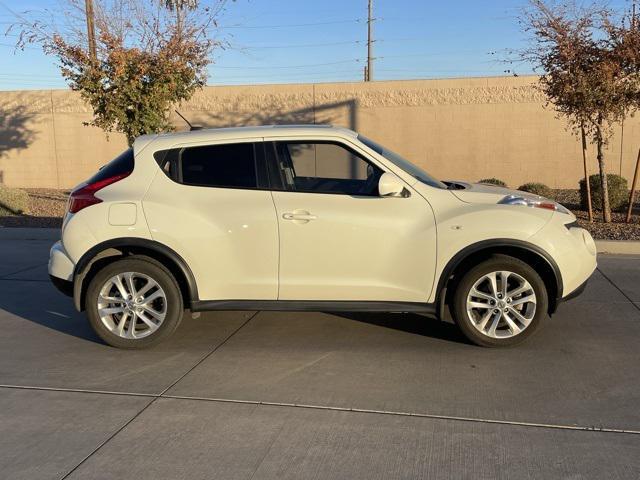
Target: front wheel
(134,303)
(500,302)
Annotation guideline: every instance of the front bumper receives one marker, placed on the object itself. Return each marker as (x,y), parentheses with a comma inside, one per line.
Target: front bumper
(574,253)
(576,293)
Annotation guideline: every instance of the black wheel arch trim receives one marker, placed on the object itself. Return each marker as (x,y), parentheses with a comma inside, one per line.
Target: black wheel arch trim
(459,257)
(83,265)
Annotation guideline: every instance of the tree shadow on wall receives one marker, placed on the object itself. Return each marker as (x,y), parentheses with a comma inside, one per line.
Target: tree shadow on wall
(319,114)
(15,133)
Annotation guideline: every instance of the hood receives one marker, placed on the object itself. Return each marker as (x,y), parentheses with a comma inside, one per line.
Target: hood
(484,192)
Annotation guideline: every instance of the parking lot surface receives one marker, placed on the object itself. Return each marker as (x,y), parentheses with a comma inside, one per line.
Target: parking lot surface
(316,395)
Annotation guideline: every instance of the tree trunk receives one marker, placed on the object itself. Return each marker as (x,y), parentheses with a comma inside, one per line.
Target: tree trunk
(179,19)
(604,186)
(587,183)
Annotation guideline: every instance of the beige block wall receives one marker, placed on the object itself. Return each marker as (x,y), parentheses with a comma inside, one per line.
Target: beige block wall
(463,129)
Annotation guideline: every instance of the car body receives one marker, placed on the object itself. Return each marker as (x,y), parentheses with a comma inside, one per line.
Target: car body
(306,218)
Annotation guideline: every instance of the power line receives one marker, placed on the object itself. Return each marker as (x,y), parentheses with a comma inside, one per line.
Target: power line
(287,66)
(288,74)
(307,45)
(291,25)
(13,45)
(35,76)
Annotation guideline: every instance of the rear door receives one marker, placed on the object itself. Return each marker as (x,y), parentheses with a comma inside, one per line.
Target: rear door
(211,204)
(339,240)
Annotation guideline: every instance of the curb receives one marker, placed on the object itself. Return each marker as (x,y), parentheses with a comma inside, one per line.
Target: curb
(618,247)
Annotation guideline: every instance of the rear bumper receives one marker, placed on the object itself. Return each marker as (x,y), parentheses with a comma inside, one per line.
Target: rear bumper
(64,286)
(60,265)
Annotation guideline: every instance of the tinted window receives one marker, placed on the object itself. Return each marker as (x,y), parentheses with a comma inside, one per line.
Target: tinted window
(121,165)
(327,168)
(230,165)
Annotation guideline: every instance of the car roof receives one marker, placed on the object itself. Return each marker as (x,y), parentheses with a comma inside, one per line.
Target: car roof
(165,140)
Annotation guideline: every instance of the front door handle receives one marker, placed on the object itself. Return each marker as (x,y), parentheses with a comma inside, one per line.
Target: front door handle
(299,215)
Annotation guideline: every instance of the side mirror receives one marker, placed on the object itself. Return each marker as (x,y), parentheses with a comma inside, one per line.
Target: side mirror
(391,186)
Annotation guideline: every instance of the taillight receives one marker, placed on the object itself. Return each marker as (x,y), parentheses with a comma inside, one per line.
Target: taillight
(84,196)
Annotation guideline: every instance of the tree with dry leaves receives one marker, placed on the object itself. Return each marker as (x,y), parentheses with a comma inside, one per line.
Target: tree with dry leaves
(150,55)
(588,56)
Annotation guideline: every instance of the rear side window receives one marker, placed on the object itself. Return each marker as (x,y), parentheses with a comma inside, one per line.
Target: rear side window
(224,166)
(121,165)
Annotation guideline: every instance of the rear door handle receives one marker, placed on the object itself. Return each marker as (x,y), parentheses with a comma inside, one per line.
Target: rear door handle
(303,216)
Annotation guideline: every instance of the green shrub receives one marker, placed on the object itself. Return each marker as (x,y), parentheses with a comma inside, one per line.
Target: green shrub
(14,200)
(618,192)
(494,181)
(537,189)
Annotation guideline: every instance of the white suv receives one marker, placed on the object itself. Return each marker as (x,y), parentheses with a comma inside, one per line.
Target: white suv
(307,218)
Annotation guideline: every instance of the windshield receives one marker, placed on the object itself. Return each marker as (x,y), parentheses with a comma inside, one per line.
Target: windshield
(404,164)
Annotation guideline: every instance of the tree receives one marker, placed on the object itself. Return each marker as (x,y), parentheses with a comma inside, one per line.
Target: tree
(585,53)
(179,7)
(147,58)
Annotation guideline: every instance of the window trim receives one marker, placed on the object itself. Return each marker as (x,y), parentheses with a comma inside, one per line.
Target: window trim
(323,141)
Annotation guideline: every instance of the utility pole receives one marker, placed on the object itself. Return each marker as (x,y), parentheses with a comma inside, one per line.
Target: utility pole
(369,72)
(91,30)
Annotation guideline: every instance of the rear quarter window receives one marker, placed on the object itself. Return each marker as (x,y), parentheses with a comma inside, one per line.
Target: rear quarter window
(231,165)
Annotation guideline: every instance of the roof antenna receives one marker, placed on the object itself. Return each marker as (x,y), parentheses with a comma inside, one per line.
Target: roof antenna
(191,127)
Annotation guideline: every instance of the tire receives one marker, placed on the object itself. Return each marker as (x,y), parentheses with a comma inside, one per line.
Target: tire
(163,312)
(518,314)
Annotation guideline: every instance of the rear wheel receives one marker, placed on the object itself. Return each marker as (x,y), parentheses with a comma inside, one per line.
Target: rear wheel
(500,302)
(134,303)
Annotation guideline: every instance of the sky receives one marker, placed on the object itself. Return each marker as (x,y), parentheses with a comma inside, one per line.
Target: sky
(300,41)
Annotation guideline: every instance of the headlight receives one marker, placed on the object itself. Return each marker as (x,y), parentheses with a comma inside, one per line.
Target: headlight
(535,202)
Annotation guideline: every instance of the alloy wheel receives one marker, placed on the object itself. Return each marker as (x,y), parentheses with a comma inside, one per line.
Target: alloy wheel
(501,304)
(132,305)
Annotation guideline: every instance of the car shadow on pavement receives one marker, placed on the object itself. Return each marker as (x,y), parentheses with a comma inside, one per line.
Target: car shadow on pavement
(55,311)
(410,323)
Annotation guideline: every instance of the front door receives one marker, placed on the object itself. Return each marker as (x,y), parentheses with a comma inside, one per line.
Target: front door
(339,240)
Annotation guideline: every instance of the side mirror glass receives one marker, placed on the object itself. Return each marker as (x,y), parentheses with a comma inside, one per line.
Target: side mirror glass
(391,186)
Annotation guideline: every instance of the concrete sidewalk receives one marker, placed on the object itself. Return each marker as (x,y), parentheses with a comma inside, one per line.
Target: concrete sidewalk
(301,395)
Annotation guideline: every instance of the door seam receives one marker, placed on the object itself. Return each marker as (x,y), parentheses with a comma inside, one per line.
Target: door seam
(275,212)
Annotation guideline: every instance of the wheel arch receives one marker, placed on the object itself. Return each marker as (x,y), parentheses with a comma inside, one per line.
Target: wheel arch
(471,255)
(110,250)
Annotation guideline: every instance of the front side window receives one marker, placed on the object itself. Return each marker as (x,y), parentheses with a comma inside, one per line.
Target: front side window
(325,167)
(225,166)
